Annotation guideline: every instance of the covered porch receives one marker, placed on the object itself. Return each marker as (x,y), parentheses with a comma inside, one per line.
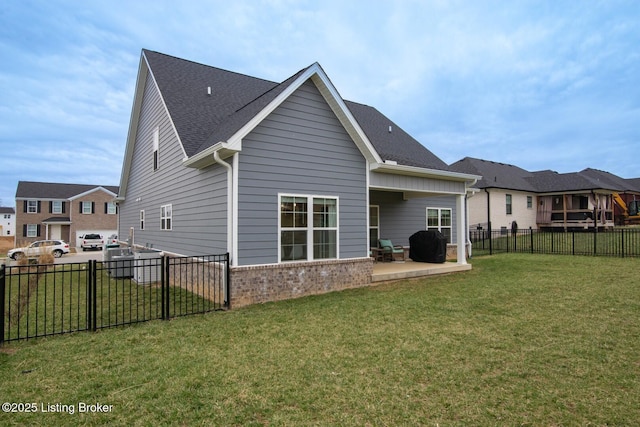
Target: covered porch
(386,271)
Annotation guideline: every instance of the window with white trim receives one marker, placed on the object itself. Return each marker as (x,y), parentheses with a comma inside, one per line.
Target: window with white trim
(308,228)
(86,207)
(529,202)
(56,207)
(110,208)
(32,230)
(509,204)
(166,216)
(440,219)
(156,145)
(32,207)
(142,220)
(374,225)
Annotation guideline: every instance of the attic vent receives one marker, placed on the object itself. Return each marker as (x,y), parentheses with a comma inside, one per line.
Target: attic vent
(209,90)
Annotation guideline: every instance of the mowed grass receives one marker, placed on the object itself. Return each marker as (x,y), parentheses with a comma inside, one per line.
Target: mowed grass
(519,340)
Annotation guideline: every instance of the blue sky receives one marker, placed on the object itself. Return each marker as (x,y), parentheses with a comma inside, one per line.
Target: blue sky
(538,84)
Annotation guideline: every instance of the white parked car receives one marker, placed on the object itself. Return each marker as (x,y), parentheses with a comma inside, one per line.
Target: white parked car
(55,247)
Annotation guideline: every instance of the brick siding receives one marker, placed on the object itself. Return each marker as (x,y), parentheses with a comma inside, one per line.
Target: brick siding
(259,284)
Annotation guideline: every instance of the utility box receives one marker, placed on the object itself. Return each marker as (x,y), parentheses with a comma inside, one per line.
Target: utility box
(147,266)
(121,266)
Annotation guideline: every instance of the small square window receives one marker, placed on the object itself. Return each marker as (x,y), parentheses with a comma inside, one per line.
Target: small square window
(32,206)
(56,207)
(87,207)
(32,230)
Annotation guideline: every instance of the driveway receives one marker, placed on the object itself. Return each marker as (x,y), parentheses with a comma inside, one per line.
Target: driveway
(66,259)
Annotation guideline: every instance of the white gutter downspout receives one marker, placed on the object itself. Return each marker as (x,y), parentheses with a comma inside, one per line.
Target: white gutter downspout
(229,169)
(466,202)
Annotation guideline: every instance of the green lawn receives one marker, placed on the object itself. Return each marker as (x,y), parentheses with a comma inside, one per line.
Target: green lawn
(519,340)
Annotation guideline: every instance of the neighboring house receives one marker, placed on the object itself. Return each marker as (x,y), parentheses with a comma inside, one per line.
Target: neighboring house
(628,192)
(512,197)
(47,210)
(506,196)
(290,179)
(7,221)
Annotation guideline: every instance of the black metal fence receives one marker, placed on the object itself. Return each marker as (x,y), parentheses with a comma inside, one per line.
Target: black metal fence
(43,300)
(616,242)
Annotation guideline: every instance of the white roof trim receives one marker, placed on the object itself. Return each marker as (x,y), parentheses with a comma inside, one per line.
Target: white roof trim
(93,190)
(205,157)
(423,172)
(144,72)
(332,97)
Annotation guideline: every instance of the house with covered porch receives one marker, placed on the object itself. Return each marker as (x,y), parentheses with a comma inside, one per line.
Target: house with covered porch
(294,182)
(510,197)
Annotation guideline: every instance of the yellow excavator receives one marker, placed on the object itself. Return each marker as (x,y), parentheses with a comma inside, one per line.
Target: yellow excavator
(630,210)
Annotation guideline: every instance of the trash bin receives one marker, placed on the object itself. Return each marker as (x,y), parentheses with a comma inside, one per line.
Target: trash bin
(428,246)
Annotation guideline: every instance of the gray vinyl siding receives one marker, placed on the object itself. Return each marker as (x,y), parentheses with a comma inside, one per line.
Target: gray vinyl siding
(198,197)
(399,218)
(414,183)
(301,148)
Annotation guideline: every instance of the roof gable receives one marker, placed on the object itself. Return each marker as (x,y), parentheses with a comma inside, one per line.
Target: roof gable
(237,103)
(58,191)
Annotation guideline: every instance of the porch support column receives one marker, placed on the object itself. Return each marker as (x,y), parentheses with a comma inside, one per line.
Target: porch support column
(461,233)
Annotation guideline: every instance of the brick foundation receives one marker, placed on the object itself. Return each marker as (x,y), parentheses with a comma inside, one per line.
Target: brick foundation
(452,252)
(264,283)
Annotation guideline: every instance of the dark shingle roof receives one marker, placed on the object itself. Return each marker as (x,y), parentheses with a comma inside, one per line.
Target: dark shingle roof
(634,184)
(5,210)
(202,120)
(550,181)
(396,145)
(495,174)
(611,180)
(196,114)
(509,177)
(52,190)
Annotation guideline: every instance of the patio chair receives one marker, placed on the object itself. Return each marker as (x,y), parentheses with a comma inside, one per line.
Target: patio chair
(389,251)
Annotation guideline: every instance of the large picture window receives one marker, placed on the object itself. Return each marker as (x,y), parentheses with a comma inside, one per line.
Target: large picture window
(308,228)
(440,219)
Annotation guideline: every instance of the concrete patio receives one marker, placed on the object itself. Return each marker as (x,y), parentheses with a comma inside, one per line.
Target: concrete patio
(385,271)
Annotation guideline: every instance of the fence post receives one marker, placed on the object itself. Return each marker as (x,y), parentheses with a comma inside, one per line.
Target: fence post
(2,301)
(490,240)
(89,298)
(93,265)
(227,284)
(622,241)
(531,234)
(164,274)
